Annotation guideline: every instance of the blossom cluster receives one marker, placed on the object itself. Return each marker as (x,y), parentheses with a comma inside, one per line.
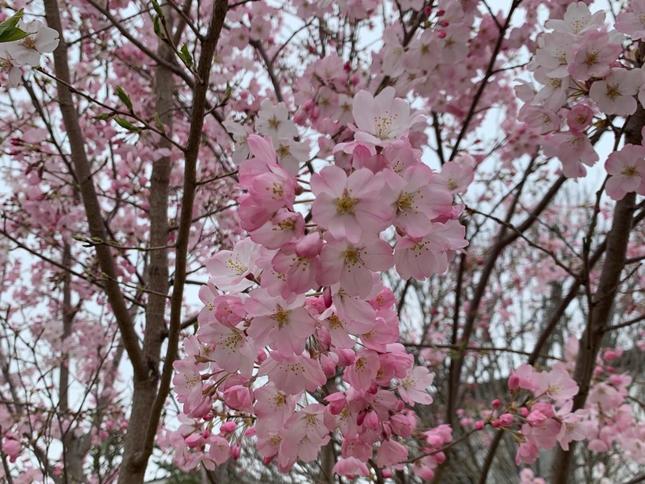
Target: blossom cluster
(27,51)
(545,418)
(583,73)
(298,339)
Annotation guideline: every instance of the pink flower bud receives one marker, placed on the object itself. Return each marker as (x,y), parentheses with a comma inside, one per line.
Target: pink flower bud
(227,427)
(336,402)
(536,418)
(346,357)
(513,382)
(194,440)
(235,452)
(506,419)
(371,420)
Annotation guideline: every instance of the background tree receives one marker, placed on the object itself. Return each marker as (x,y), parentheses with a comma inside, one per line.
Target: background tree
(432,209)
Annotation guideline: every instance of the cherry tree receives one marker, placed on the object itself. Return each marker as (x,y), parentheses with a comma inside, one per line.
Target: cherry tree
(313,241)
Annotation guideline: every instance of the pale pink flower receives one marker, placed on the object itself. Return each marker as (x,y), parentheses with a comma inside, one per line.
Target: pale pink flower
(226,309)
(574,150)
(219,450)
(233,351)
(381,119)
(273,404)
(41,40)
(351,264)
(305,433)
(615,94)
(594,57)
(293,373)
(351,467)
(362,373)
(632,20)
(231,270)
(391,453)
(557,384)
(269,187)
(285,326)
(283,227)
(299,264)
(350,206)
(339,329)
(525,377)
(554,48)
(354,311)
(627,170)
(238,397)
(416,200)
(422,257)
(574,426)
(577,19)
(412,388)
(539,118)
(273,120)
(187,383)
(579,117)
(458,174)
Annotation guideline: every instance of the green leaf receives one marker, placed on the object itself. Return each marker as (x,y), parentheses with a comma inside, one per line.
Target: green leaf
(9,31)
(124,123)
(157,8)
(123,96)
(157,27)
(12,35)
(185,56)
(104,116)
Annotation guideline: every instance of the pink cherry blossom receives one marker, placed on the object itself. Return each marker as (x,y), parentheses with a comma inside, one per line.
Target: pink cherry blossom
(293,373)
(351,467)
(233,350)
(632,20)
(615,94)
(381,119)
(627,168)
(349,207)
(412,388)
(283,325)
(416,199)
(351,263)
(230,270)
(422,257)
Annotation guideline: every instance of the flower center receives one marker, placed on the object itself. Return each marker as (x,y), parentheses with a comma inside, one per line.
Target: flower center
(383,125)
(591,58)
(335,322)
(630,171)
(612,91)
(281,317)
(405,202)
(278,191)
(345,204)
(280,399)
(274,123)
(283,151)
(236,266)
(288,224)
(233,340)
(29,43)
(352,256)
